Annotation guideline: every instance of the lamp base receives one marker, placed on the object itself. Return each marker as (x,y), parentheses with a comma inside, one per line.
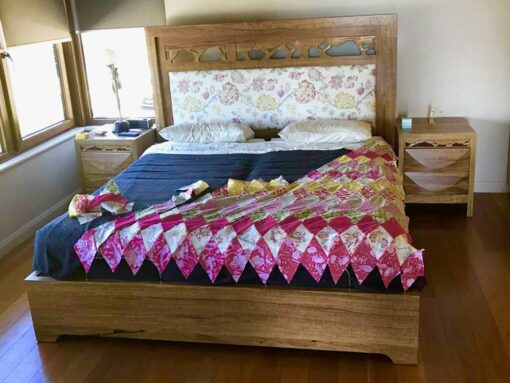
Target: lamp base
(121,126)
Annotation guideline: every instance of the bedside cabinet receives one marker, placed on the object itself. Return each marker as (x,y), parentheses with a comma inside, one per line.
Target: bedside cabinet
(437,162)
(103,157)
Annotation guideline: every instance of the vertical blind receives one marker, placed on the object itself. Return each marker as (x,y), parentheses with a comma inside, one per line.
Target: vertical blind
(111,14)
(32,21)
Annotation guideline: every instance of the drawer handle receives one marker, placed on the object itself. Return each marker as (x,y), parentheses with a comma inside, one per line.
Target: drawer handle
(432,162)
(431,183)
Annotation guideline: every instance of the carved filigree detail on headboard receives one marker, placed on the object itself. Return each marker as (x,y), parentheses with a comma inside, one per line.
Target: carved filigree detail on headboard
(205,54)
(365,45)
(261,51)
(311,48)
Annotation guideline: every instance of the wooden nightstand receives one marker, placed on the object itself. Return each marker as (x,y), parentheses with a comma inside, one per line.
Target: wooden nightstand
(103,157)
(437,162)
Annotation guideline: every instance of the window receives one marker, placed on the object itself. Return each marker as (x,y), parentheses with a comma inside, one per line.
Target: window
(131,59)
(36,105)
(36,87)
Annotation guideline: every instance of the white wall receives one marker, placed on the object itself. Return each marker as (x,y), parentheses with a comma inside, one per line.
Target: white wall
(36,190)
(454,54)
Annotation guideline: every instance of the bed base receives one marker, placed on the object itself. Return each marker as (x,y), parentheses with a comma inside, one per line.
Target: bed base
(318,319)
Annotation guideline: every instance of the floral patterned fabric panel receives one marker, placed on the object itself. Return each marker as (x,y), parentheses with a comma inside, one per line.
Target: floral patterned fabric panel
(274,97)
(347,212)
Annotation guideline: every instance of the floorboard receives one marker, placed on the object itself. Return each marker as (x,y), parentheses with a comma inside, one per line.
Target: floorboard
(464,330)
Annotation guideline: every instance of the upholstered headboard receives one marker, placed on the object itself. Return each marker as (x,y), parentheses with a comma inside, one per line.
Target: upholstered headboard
(273,72)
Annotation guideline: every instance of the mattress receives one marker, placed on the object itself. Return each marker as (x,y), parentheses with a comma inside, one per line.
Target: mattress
(157,175)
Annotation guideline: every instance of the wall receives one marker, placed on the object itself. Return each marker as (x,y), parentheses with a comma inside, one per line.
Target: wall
(453,54)
(36,189)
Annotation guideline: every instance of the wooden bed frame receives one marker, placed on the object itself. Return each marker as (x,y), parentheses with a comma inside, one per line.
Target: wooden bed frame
(322,319)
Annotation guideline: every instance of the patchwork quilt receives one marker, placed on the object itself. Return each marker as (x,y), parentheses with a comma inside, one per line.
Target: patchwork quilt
(348,212)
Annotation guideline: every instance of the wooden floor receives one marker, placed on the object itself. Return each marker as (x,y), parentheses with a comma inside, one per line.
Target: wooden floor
(465,323)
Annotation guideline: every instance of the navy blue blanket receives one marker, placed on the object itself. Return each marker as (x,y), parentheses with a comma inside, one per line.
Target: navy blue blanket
(155,178)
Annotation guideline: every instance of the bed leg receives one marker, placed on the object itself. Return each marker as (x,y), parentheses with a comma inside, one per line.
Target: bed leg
(404,357)
(46,336)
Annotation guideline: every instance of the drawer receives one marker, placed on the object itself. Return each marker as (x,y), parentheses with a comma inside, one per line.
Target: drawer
(436,160)
(105,163)
(416,183)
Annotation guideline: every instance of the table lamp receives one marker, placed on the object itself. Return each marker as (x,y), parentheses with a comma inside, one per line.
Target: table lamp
(110,59)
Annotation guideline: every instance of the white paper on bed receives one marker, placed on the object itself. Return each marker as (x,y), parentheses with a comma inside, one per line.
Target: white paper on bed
(274,97)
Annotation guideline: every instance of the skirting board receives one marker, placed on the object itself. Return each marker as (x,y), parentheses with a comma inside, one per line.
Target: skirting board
(492,187)
(29,229)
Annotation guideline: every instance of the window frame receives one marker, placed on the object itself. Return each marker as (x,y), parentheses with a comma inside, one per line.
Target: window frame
(19,143)
(5,138)
(4,153)
(86,101)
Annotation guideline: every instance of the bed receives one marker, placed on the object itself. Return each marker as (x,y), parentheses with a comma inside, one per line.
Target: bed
(189,64)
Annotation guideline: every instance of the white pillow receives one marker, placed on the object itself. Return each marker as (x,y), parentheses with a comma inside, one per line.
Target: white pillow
(206,133)
(328,131)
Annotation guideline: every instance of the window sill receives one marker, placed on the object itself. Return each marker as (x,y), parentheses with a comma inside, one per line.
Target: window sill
(37,150)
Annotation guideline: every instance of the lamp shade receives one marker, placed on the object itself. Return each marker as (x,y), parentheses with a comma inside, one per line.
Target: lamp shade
(109,57)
